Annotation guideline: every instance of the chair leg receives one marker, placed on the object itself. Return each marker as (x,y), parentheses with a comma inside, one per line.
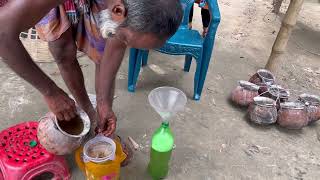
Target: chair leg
(202,78)
(134,68)
(187,63)
(205,59)
(132,61)
(197,77)
(145,55)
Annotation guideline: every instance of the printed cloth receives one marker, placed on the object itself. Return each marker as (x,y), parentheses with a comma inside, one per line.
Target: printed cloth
(81,16)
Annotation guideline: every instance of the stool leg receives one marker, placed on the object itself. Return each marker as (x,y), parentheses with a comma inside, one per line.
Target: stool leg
(1,175)
(55,170)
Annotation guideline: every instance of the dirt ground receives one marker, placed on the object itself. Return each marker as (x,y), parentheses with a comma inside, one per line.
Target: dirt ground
(213,138)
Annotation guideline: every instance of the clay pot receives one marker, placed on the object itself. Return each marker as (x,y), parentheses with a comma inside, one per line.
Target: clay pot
(312,103)
(59,138)
(263,111)
(263,78)
(292,115)
(244,93)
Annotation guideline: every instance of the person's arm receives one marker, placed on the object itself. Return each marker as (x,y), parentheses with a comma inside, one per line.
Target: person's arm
(109,67)
(15,17)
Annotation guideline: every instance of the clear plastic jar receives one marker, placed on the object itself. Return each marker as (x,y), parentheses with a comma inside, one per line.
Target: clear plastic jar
(312,103)
(292,115)
(244,93)
(263,111)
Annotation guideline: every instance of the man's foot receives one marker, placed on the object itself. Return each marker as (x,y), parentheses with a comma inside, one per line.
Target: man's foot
(190,25)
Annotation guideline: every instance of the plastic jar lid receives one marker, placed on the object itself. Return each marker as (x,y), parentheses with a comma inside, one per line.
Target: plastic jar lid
(99,149)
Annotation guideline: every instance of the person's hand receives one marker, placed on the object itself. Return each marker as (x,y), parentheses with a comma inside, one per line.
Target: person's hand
(107,120)
(61,105)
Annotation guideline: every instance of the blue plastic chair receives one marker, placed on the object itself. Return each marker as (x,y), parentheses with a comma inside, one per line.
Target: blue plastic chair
(183,42)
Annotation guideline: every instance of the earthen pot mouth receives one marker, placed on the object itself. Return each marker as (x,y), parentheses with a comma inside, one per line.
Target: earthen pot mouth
(264,101)
(278,91)
(266,76)
(86,125)
(309,99)
(248,85)
(292,105)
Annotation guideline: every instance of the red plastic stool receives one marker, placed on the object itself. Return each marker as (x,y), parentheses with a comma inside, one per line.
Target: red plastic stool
(23,158)
(3,2)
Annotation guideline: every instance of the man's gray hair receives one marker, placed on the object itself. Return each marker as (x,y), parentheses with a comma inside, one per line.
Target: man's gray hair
(106,24)
(160,17)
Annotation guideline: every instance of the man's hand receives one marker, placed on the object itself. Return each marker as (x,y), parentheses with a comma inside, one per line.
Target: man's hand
(61,105)
(105,83)
(107,120)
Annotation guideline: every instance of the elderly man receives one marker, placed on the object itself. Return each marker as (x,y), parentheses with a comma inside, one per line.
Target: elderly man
(103,29)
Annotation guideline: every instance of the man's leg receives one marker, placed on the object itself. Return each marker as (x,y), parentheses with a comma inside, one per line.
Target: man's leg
(190,17)
(64,51)
(205,14)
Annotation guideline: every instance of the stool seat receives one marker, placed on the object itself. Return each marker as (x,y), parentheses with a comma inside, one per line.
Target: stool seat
(23,158)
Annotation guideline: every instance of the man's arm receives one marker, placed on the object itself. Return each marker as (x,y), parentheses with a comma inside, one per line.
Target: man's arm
(17,16)
(109,67)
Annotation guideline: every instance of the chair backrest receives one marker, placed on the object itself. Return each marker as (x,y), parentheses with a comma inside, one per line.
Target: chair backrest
(214,22)
(186,6)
